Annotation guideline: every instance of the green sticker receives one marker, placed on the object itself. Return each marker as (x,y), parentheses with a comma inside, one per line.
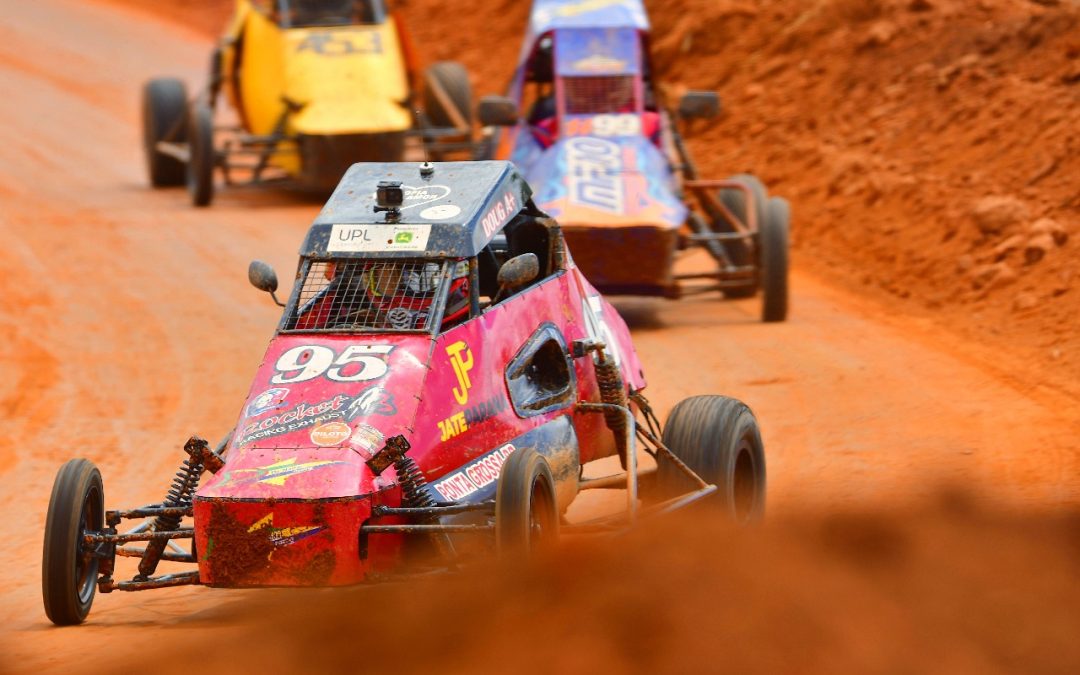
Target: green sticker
(403,238)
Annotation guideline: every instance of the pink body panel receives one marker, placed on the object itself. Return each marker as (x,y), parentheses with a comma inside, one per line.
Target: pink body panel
(322,404)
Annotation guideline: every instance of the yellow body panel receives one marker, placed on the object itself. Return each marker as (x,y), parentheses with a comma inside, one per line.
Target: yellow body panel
(346,79)
(352,80)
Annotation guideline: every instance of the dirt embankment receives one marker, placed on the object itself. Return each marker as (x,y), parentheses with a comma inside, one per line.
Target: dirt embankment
(928,146)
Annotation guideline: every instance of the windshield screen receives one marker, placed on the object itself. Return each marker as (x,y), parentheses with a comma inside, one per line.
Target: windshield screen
(599,95)
(368,295)
(308,13)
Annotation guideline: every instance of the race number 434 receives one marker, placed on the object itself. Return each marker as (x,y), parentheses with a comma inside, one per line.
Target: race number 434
(356,363)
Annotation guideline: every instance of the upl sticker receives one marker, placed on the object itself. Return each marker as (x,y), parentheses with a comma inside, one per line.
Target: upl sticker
(378,238)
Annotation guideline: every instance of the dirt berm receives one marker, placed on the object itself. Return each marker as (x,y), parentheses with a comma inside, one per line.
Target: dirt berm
(929,147)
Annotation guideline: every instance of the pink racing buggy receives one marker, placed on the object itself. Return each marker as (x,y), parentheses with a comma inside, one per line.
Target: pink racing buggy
(441,373)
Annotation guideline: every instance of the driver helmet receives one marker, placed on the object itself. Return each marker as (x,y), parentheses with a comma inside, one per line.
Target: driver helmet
(406,294)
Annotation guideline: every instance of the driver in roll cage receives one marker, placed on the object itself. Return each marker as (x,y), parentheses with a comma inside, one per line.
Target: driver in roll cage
(385,296)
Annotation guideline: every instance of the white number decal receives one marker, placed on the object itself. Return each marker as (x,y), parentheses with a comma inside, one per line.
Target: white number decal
(616,125)
(307,362)
(371,367)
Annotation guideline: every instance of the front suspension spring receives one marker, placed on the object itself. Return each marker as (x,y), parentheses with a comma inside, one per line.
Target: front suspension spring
(181,492)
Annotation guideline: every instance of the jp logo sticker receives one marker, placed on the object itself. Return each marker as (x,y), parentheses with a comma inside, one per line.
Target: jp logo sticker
(331,433)
(462,359)
(271,399)
(440,212)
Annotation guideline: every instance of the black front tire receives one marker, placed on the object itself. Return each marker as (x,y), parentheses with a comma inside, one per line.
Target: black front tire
(452,80)
(718,438)
(200,167)
(774,260)
(526,511)
(68,570)
(164,111)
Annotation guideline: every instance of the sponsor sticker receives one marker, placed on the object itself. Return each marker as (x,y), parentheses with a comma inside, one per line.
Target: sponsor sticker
(331,433)
(475,475)
(461,359)
(273,474)
(452,426)
(500,212)
(481,412)
(593,168)
(599,63)
(284,536)
(372,401)
(425,194)
(440,212)
(301,416)
(378,238)
(271,399)
(367,438)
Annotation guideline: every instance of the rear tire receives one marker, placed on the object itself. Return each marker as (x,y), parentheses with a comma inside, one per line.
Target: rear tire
(68,575)
(200,168)
(526,511)
(735,201)
(164,110)
(453,80)
(774,260)
(718,438)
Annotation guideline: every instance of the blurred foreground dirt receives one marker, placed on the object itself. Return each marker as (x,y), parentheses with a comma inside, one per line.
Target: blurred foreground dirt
(948,588)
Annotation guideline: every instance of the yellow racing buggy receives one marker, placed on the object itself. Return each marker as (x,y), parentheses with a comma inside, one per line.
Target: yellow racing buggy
(315,86)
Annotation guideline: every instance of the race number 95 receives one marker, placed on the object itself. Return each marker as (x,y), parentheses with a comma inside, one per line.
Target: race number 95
(357,363)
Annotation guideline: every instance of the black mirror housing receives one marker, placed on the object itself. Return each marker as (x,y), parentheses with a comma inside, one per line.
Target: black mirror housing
(262,276)
(699,105)
(519,270)
(497,111)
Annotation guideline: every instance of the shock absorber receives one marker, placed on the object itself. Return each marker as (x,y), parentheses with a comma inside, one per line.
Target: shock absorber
(613,392)
(181,492)
(414,488)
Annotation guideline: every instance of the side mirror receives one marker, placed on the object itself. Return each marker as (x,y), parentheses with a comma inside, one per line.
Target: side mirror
(699,105)
(518,271)
(264,278)
(497,111)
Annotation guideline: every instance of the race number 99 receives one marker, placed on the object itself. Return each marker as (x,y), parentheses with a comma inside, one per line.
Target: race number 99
(616,125)
(358,363)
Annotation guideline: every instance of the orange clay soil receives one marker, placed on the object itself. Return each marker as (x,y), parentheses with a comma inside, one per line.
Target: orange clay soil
(927,146)
(128,325)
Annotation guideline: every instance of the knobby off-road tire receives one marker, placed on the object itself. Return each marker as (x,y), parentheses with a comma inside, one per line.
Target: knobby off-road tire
(735,201)
(718,438)
(164,110)
(68,576)
(200,167)
(453,80)
(526,513)
(774,260)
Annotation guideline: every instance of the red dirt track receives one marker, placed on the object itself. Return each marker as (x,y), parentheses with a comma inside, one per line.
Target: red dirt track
(920,408)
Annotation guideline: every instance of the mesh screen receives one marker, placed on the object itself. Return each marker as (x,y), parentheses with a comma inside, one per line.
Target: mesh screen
(598,95)
(366,295)
(305,13)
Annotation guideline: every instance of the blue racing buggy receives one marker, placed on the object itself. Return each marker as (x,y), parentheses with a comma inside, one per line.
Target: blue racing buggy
(591,129)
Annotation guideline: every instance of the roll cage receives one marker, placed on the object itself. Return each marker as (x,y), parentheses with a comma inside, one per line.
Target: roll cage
(337,295)
(323,13)
(559,79)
